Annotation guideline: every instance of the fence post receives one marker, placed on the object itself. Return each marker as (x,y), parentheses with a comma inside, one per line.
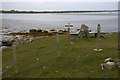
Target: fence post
(58,50)
(98,39)
(14,56)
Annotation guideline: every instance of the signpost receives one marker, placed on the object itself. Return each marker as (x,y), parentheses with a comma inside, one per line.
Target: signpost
(68,25)
(58,51)
(14,55)
(98,39)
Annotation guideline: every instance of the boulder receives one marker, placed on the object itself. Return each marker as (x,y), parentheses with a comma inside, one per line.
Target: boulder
(84,32)
(118,64)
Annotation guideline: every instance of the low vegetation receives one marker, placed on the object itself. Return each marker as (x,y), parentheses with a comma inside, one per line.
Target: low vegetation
(77,58)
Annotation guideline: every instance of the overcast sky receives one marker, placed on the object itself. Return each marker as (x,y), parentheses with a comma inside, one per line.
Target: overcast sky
(60,0)
(49,5)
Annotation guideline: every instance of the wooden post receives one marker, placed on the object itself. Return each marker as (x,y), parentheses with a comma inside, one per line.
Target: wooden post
(68,25)
(68,30)
(58,51)
(14,55)
(98,37)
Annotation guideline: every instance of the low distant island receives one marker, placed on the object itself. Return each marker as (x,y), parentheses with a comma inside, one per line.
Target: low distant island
(15,11)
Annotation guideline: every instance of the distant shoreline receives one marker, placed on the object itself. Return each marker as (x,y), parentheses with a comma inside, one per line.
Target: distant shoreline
(13,11)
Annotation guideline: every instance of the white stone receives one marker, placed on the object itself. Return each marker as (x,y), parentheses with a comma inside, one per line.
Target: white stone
(71,43)
(97,49)
(44,67)
(56,71)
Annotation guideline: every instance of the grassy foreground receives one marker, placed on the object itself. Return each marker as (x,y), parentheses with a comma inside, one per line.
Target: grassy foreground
(78,60)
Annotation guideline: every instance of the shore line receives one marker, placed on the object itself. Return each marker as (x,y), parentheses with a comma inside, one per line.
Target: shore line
(14,11)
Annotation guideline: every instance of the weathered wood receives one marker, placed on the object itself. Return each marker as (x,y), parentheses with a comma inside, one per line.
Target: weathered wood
(98,37)
(58,50)
(68,30)
(68,25)
(15,61)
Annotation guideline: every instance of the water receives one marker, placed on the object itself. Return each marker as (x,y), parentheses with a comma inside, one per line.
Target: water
(108,21)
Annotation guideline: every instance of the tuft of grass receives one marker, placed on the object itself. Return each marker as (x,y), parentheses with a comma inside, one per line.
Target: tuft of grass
(77,60)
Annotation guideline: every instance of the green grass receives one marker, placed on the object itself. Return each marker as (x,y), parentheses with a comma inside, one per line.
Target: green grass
(0,64)
(77,61)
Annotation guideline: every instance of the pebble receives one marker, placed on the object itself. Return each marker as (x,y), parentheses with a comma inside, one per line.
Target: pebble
(37,59)
(9,75)
(118,64)
(91,71)
(44,67)
(8,67)
(86,55)
(56,71)
(71,43)
(4,71)
(118,60)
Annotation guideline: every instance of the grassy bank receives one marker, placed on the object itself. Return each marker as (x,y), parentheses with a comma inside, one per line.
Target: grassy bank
(78,60)
(0,64)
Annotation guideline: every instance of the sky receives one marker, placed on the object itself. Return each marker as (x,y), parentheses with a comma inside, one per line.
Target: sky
(56,5)
(60,0)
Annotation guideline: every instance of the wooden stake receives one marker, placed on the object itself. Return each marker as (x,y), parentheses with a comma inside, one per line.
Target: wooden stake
(15,62)
(98,37)
(58,51)
(68,30)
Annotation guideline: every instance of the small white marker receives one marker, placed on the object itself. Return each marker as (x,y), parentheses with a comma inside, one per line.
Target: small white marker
(56,71)
(44,67)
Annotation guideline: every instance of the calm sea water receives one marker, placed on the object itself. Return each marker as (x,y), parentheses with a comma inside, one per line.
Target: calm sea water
(108,21)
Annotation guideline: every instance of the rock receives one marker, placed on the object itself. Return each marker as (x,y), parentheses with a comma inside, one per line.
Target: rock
(20,41)
(3,48)
(71,43)
(91,71)
(84,32)
(108,65)
(118,60)
(4,71)
(118,64)
(9,75)
(7,67)
(44,67)
(102,36)
(56,71)
(111,64)
(108,59)
(37,59)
